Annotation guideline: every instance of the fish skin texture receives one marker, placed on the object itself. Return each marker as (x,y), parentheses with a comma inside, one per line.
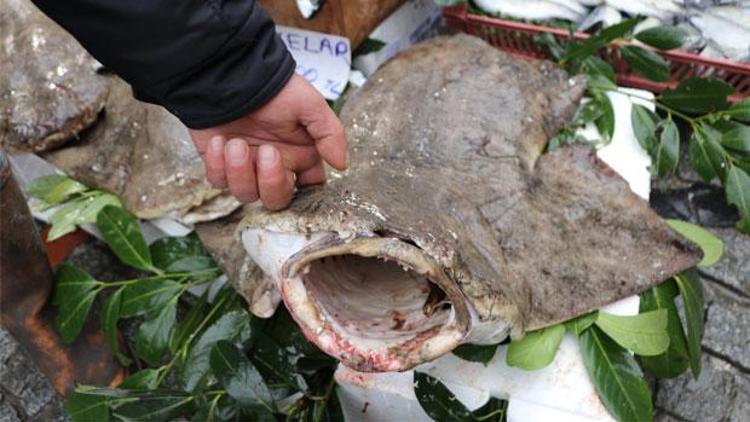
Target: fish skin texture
(49,88)
(220,239)
(447,164)
(144,155)
(446,145)
(51,92)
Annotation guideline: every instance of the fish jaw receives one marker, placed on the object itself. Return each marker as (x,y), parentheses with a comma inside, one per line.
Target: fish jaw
(362,299)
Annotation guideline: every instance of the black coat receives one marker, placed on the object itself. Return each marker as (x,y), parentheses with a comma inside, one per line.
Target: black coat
(206,61)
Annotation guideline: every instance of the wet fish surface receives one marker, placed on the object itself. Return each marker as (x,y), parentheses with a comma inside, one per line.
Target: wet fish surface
(49,88)
(144,155)
(714,28)
(451,225)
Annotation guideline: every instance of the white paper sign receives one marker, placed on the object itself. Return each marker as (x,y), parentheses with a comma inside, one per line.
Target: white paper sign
(323,59)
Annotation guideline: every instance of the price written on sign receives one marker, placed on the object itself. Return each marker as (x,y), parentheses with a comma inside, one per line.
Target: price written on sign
(323,59)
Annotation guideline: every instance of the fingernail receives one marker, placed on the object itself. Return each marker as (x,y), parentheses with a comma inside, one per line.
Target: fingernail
(216,143)
(216,140)
(266,155)
(236,151)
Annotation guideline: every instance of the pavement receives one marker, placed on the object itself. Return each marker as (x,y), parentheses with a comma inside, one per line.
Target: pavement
(721,393)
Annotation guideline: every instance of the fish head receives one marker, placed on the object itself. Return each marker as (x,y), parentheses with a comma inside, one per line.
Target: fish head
(359,290)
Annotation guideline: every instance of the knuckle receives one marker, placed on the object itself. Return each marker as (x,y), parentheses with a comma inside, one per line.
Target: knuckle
(273,207)
(272,182)
(243,191)
(217,181)
(246,197)
(214,165)
(276,204)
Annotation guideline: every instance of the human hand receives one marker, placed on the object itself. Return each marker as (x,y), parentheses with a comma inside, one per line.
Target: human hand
(263,154)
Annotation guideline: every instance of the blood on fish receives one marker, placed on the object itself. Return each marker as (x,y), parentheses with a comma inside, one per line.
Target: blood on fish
(398,319)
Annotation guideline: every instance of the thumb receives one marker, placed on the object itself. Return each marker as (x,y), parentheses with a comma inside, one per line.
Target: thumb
(326,129)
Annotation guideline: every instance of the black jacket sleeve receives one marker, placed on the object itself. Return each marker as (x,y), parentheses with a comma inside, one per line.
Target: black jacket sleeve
(206,61)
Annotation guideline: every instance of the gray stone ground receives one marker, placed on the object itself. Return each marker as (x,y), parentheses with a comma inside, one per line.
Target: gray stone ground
(25,394)
(722,393)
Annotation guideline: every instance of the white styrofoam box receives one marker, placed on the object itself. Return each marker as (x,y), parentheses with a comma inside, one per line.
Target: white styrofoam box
(389,396)
(624,154)
(561,391)
(414,21)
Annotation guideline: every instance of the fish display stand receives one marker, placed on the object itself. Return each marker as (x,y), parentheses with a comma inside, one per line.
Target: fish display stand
(518,38)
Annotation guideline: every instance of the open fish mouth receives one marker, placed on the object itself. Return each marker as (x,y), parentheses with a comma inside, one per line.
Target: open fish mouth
(377,303)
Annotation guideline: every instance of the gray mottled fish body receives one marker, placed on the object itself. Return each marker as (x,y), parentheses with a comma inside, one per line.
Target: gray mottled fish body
(143,154)
(450,225)
(49,88)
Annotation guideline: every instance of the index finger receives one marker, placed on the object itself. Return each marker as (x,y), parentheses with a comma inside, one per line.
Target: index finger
(328,133)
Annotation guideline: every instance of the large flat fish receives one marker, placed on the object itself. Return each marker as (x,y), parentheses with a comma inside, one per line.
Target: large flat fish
(143,154)
(49,88)
(451,225)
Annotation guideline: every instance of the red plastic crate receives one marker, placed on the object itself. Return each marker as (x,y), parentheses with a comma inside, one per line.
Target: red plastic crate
(518,39)
(60,249)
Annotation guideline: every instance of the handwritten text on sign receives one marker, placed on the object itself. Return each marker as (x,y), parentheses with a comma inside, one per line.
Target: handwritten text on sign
(323,59)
